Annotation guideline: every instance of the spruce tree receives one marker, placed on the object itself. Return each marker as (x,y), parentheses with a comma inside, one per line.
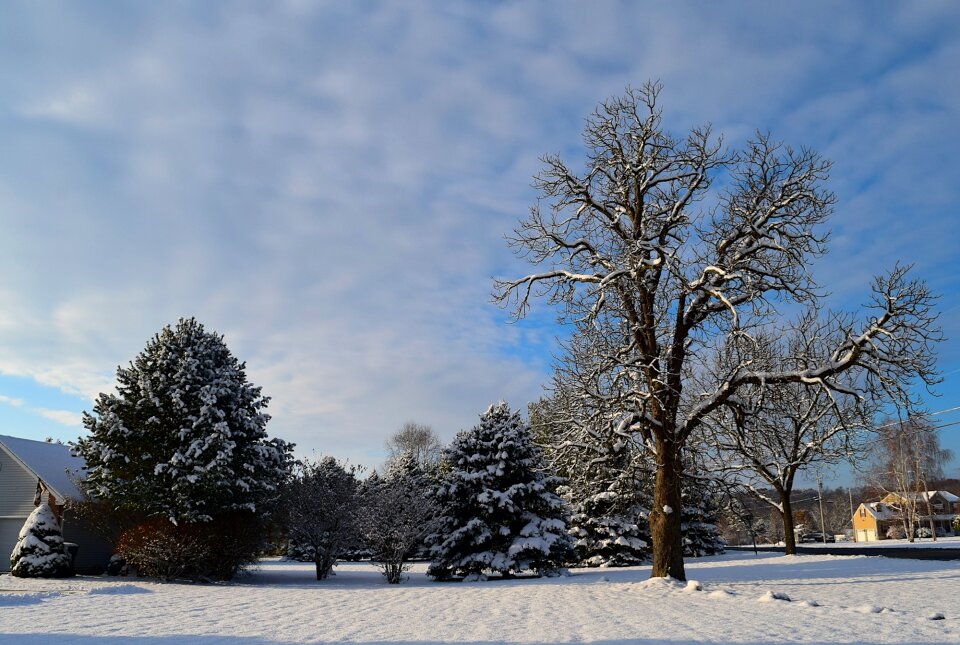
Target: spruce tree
(606,487)
(699,516)
(609,514)
(499,512)
(185,436)
(39,552)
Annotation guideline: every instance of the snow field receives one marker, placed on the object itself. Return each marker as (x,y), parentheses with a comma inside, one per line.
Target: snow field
(735,598)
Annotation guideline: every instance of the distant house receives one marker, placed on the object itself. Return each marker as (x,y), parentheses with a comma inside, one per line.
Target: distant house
(872,520)
(38,472)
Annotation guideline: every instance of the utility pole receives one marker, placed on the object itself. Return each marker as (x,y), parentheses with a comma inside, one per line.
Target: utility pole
(823,525)
(852,526)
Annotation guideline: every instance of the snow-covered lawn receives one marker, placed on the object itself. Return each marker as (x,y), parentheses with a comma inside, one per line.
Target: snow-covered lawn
(834,599)
(948,542)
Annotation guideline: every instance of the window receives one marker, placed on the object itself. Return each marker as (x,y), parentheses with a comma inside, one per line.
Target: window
(863,512)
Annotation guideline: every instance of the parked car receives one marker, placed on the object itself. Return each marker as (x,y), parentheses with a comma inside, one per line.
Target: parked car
(816,536)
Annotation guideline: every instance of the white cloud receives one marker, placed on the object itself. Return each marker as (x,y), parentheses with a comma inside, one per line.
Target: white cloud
(11,401)
(63,417)
(329,186)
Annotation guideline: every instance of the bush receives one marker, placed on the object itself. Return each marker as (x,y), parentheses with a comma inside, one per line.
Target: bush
(397,515)
(213,550)
(896,533)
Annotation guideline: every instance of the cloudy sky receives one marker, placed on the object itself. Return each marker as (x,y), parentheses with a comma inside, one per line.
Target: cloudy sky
(329,184)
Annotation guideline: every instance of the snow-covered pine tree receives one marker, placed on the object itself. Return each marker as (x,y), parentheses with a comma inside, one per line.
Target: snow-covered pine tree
(499,513)
(39,552)
(698,520)
(608,522)
(185,436)
(606,487)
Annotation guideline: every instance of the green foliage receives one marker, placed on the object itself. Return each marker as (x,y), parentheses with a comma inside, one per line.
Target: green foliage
(499,513)
(184,438)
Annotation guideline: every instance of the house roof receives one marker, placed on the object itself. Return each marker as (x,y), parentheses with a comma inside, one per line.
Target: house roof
(51,462)
(925,495)
(879,510)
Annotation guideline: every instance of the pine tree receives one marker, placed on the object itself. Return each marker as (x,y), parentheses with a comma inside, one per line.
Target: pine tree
(39,552)
(609,514)
(499,512)
(184,438)
(606,487)
(699,516)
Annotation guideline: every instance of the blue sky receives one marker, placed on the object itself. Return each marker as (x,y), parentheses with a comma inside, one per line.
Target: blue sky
(329,184)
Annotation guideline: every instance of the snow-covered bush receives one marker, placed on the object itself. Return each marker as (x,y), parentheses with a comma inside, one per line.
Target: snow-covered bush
(397,515)
(39,552)
(184,438)
(896,533)
(498,512)
(321,511)
(956,524)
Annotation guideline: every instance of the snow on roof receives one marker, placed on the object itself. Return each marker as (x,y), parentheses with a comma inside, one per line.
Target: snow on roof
(879,510)
(48,461)
(928,494)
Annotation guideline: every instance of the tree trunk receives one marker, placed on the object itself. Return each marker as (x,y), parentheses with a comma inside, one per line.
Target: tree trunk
(321,567)
(665,515)
(789,537)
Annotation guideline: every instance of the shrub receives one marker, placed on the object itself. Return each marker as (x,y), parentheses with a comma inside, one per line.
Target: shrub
(213,550)
(896,533)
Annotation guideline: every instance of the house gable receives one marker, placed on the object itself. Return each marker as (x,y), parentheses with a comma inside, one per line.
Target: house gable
(52,463)
(18,486)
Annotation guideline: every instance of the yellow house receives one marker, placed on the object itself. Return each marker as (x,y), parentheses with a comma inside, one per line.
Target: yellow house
(872,520)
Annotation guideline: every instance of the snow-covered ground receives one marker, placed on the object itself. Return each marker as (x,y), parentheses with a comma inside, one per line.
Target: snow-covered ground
(948,542)
(834,599)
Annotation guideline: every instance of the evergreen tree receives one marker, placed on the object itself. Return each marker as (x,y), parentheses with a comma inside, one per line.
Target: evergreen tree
(699,517)
(609,515)
(607,489)
(39,552)
(499,512)
(184,438)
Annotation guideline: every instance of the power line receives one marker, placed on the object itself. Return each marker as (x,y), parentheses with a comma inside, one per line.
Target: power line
(909,430)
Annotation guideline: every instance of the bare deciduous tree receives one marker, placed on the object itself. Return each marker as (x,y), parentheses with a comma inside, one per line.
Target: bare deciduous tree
(904,458)
(417,439)
(397,515)
(627,250)
(321,508)
(771,433)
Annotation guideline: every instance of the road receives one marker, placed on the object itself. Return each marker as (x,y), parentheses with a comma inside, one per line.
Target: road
(910,553)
